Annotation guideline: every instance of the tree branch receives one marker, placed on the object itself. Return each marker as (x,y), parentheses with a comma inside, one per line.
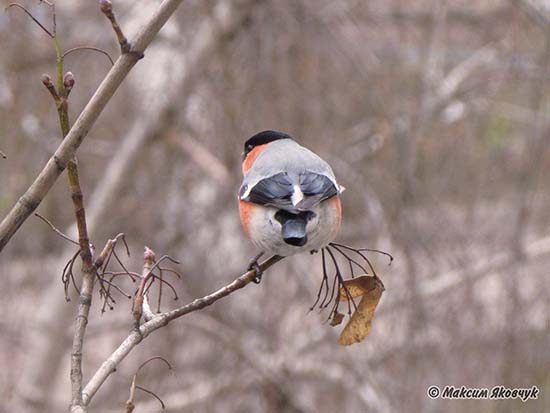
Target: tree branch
(141,302)
(35,384)
(160,320)
(60,97)
(66,151)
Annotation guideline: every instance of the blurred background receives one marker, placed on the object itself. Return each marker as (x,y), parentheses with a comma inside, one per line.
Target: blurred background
(433,114)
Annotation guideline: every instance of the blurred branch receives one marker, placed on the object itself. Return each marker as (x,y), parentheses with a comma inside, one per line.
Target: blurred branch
(210,34)
(449,281)
(58,162)
(272,370)
(205,159)
(535,13)
(450,85)
(161,320)
(534,152)
(455,16)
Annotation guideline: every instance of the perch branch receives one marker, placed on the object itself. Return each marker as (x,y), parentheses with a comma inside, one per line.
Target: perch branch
(160,320)
(30,200)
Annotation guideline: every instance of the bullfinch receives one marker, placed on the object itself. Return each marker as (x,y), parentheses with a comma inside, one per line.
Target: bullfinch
(289,200)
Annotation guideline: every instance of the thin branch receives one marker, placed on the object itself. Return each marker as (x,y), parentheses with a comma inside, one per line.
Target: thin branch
(67,275)
(108,249)
(34,19)
(160,320)
(68,147)
(142,365)
(54,229)
(101,264)
(95,49)
(152,394)
(106,7)
(141,304)
(130,406)
(47,81)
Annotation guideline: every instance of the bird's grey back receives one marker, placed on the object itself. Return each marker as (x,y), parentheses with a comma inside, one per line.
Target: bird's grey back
(287,156)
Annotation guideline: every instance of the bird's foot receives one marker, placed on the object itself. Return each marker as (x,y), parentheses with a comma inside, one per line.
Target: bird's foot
(253,265)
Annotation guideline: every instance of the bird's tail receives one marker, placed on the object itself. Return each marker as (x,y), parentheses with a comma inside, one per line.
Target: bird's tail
(293,226)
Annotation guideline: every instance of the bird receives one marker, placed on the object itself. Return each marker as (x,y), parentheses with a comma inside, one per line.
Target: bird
(289,199)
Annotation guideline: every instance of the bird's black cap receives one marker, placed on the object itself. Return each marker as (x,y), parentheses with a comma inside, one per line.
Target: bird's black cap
(262,138)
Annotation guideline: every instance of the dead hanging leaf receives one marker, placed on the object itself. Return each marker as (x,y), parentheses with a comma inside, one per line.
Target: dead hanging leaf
(358,286)
(359,325)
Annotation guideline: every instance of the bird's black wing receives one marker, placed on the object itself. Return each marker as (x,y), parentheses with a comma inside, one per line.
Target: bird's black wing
(274,191)
(316,188)
(315,184)
(277,191)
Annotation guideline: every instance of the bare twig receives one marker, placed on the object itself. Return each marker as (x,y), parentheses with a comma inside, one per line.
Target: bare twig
(47,81)
(101,264)
(67,276)
(66,150)
(54,229)
(152,394)
(160,320)
(95,49)
(141,303)
(108,249)
(28,13)
(130,403)
(106,7)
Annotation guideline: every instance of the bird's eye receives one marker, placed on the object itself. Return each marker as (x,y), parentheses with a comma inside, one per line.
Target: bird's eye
(249,148)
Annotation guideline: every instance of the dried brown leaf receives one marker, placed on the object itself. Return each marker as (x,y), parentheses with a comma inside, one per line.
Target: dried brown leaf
(359,326)
(357,287)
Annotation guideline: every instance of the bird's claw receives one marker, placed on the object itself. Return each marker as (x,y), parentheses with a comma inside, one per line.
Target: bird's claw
(256,267)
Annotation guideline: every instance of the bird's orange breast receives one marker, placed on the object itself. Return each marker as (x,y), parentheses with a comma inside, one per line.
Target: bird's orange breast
(246,209)
(335,201)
